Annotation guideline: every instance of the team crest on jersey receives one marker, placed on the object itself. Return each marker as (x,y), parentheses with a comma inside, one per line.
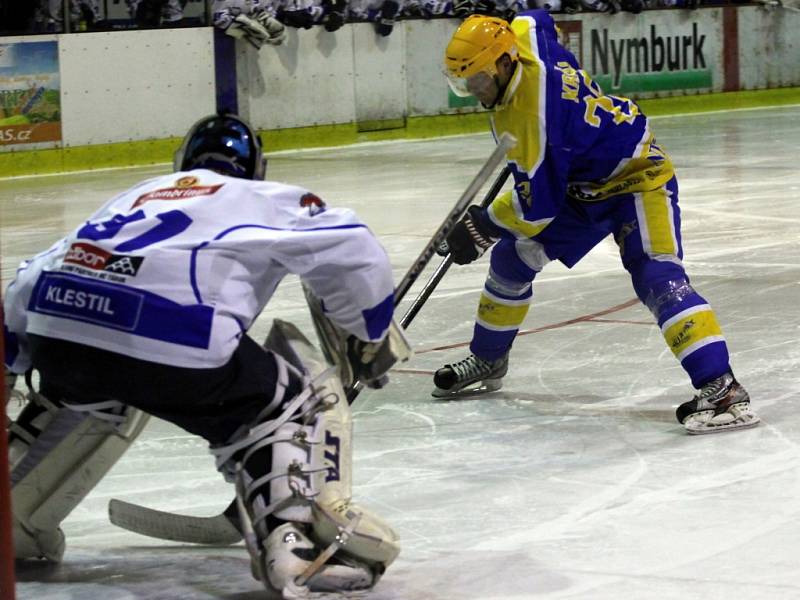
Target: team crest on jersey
(186,182)
(314,203)
(185,188)
(94,258)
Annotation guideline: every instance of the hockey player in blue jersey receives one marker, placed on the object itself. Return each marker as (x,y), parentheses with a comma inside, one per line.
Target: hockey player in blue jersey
(586,166)
(145,308)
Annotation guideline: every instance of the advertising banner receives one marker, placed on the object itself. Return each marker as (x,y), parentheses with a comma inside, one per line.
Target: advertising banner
(30,106)
(657,53)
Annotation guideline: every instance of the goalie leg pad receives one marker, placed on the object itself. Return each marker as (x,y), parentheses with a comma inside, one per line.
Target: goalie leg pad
(306,484)
(75,448)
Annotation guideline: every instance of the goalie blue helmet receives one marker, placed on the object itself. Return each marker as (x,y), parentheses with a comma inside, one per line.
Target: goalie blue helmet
(224,143)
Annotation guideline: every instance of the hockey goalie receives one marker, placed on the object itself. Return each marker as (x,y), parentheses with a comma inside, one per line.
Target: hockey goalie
(144,310)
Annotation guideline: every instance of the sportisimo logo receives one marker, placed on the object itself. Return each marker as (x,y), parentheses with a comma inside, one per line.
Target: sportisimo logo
(97,259)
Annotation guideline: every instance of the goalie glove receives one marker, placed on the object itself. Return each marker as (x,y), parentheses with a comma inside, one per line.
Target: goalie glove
(471,236)
(371,361)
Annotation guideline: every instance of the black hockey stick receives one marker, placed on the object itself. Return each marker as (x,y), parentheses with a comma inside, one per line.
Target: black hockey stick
(504,144)
(437,276)
(447,261)
(225,528)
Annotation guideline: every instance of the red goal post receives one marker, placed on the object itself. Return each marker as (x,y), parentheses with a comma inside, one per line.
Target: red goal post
(6,543)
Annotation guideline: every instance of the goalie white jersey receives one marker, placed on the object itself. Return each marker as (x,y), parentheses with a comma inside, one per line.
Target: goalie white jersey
(177,268)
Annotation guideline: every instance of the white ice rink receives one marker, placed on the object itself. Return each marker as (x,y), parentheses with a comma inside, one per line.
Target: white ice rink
(574,481)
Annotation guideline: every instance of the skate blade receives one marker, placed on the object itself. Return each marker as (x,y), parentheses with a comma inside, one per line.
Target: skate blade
(475,389)
(737,417)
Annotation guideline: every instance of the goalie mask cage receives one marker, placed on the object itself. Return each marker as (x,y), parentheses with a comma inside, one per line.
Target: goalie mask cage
(6,545)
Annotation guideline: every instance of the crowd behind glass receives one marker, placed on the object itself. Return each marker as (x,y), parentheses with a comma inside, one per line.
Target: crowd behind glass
(246,18)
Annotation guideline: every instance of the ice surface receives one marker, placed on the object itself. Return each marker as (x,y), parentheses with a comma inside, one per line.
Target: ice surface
(575,480)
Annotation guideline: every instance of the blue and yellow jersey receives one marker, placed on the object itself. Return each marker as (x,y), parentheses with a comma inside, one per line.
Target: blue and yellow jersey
(573,140)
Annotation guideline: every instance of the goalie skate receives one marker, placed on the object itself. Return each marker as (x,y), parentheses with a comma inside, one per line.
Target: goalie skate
(469,377)
(721,405)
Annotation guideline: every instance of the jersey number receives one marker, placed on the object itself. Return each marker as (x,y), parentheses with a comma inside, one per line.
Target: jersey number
(624,113)
(171,224)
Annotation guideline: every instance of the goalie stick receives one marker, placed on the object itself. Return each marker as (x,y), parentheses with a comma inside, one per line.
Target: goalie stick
(225,528)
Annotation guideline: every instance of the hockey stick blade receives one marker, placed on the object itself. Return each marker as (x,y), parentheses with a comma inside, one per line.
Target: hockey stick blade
(224,528)
(219,530)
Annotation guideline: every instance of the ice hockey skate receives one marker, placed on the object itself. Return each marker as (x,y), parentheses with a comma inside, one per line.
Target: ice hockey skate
(721,405)
(470,376)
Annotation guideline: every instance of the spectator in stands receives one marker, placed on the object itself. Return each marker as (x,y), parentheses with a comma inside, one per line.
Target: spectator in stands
(49,15)
(157,13)
(17,16)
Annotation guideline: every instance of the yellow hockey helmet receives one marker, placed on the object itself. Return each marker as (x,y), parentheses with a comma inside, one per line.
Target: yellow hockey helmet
(475,48)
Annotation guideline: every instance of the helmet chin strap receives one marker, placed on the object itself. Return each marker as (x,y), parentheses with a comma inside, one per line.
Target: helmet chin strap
(501,88)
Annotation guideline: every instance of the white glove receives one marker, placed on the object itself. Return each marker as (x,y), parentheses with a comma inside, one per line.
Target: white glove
(275,29)
(260,31)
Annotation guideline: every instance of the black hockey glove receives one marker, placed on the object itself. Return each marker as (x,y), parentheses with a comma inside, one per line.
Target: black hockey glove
(385,24)
(334,14)
(485,7)
(632,6)
(333,20)
(463,8)
(471,236)
(299,19)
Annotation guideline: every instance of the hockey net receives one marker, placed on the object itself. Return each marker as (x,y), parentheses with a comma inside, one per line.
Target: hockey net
(6,545)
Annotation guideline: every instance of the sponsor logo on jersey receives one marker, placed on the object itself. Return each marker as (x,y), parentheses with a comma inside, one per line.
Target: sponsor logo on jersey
(314,203)
(97,259)
(183,190)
